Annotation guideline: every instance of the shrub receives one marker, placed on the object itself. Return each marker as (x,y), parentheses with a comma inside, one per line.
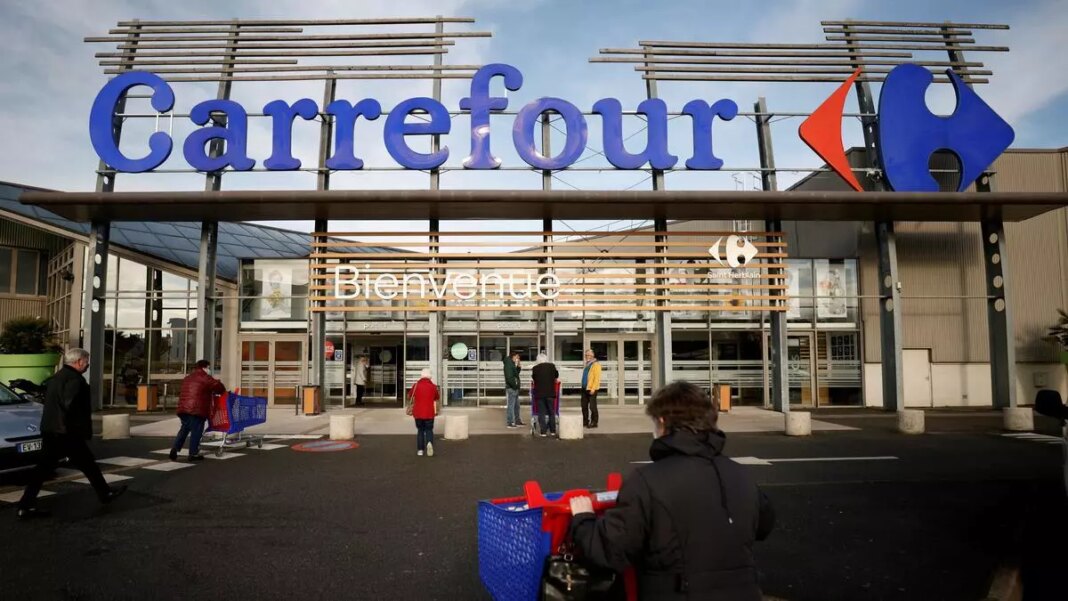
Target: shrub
(28,336)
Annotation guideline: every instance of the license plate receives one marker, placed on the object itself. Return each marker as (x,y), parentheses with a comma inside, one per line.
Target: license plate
(29,447)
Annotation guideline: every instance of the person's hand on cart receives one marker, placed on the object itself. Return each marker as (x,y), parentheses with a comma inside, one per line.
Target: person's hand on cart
(581,504)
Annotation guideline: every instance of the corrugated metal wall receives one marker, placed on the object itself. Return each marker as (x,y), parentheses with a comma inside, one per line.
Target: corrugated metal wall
(20,236)
(945,259)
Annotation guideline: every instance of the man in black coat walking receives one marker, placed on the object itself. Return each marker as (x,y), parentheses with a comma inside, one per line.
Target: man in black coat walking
(688,521)
(66,425)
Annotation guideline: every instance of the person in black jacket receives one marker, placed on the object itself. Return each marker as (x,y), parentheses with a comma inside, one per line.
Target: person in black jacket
(66,423)
(544,377)
(687,521)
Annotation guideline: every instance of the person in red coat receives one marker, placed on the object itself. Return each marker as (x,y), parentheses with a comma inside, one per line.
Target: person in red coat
(194,407)
(423,406)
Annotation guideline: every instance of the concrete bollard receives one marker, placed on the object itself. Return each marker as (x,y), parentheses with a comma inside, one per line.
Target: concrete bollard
(342,427)
(570,426)
(910,421)
(798,423)
(1018,419)
(456,427)
(116,426)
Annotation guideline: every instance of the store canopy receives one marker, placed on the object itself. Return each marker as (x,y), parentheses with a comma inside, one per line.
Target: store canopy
(537,204)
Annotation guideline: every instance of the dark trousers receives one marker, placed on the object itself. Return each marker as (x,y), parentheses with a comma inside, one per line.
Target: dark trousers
(424,433)
(589,408)
(359,393)
(55,447)
(193,427)
(547,413)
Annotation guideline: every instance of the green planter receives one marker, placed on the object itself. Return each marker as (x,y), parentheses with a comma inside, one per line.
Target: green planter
(34,368)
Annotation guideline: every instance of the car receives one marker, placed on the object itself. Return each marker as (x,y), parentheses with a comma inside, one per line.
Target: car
(20,430)
(1048,403)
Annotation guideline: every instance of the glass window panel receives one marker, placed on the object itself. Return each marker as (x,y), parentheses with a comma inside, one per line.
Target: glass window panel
(132,276)
(42,276)
(167,351)
(130,352)
(6,255)
(174,318)
(113,270)
(26,272)
(131,312)
(836,290)
(174,282)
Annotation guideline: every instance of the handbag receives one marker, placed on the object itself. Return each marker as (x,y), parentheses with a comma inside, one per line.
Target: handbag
(566,579)
(411,402)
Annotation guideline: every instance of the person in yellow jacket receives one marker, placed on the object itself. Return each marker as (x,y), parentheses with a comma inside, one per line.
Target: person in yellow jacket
(591,383)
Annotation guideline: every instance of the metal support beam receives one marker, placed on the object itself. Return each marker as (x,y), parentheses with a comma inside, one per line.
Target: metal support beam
(94,308)
(209,244)
(209,235)
(547,227)
(999,315)
(890,314)
(661,319)
(999,322)
(96,271)
(318,318)
(435,316)
(777,343)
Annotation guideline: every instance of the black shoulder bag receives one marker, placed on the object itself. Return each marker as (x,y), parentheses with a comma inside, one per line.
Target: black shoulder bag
(566,579)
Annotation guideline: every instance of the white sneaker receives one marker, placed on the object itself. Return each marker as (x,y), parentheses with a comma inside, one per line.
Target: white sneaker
(419,453)
(429,449)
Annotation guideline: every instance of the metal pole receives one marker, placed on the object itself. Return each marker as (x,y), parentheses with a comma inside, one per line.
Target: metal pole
(434,318)
(662,319)
(318,318)
(209,230)
(96,271)
(777,343)
(890,316)
(999,321)
(547,238)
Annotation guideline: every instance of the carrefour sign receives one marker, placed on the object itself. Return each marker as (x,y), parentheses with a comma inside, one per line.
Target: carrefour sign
(909,133)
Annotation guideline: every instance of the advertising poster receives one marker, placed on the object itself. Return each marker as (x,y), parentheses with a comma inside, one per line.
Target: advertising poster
(830,288)
(276,282)
(793,292)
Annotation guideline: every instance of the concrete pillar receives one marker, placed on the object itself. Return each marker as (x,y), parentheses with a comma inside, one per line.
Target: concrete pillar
(456,427)
(910,421)
(116,426)
(1018,419)
(571,426)
(798,423)
(342,427)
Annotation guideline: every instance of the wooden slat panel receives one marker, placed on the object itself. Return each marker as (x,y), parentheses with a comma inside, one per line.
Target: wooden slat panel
(540,308)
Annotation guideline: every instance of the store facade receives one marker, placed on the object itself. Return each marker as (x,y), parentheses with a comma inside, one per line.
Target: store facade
(795,298)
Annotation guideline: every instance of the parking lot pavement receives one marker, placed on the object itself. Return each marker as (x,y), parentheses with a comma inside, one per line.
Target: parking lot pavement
(862,515)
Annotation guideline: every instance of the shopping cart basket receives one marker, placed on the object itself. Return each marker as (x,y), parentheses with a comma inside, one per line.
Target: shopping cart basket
(517,534)
(231,413)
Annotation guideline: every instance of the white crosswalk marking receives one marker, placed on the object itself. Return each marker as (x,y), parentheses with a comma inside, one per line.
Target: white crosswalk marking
(223,456)
(126,461)
(109,478)
(168,466)
(1031,436)
(14,496)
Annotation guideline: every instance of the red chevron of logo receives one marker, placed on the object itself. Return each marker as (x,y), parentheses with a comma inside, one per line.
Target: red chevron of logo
(822,131)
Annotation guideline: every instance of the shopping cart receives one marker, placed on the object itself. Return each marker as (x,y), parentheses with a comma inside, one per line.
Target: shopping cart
(517,534)
(534,409)
(231,413)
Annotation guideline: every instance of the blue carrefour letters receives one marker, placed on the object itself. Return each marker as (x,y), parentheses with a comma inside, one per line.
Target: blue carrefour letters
(102,122)
(222,141)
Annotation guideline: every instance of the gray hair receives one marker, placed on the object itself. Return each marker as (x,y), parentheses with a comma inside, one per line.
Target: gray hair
(425,373)
(75,355)
(542,358)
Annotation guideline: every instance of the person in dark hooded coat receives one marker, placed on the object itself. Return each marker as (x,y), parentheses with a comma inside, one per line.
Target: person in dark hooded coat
(686,522)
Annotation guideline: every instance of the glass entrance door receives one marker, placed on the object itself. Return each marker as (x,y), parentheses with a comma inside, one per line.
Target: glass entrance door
(273,368)
(800,369)
(626,368)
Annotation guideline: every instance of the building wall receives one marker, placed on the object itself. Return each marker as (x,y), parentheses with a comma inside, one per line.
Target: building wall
(19,236)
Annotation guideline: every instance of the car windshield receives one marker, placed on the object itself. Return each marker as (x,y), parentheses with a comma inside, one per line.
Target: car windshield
(8,397)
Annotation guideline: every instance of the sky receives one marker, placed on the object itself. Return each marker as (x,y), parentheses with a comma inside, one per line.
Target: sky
(49,78)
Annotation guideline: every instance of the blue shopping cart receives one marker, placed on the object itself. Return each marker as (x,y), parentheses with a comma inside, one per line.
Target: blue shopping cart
(517,534)
(231,414)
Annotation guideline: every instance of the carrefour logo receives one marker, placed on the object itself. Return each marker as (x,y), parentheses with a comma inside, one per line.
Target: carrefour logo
(737,252)
(909,133)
